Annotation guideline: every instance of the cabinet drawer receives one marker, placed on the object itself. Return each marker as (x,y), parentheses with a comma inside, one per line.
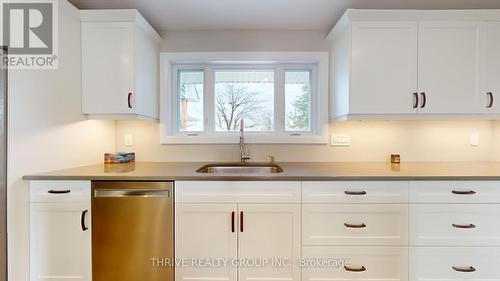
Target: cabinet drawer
(237,192)
(60,191)
(455,192)
(372,263)
(357,224)
(450,264)
(454,225)
(349,192)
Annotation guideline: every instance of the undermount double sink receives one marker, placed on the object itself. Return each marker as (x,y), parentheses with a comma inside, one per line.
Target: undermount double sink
(239,168)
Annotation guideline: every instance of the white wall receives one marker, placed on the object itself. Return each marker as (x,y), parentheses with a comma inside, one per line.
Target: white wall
(244,40)
(47,132)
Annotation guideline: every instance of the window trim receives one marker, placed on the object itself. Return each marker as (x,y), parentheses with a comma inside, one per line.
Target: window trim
(169,65)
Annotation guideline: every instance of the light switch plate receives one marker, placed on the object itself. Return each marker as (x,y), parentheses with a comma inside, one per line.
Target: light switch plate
(129,140)
(340,140)
(474,139)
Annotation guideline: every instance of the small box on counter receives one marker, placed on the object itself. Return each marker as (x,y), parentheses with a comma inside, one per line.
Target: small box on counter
(120,157)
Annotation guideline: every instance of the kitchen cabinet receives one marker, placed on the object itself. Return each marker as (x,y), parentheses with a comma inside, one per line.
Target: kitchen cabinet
(206,231)
(354,224)
(269,231)
(454,263)
(454,225)
(119,65)
(356,263)
(399,65)
(60,233)
(384,58)
(265,231)
(490,68)
(448,64)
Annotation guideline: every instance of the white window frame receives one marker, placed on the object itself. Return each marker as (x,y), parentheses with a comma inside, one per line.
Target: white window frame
(317,62)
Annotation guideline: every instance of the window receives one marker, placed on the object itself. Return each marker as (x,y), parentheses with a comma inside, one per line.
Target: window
(205,100)
(190,105)
(247,95)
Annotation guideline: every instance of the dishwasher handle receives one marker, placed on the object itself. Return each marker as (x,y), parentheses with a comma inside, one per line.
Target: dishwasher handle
(103,193)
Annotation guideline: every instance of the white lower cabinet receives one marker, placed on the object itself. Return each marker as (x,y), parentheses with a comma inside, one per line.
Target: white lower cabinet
(205,231)
(245,234)
(454,225)
(60,231)
(60,242)
(245,241)
(454,263)
(355,224)
(271,233)
(355,263)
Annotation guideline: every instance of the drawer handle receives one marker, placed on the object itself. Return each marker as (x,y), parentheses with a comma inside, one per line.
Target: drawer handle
(59,191)
(350,192)
(470,225)
(463,192)
(355,269)
(464,268)
(362,225)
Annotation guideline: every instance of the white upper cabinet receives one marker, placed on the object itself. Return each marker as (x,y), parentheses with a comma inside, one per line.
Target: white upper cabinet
(448,63)
(489,92)
(398,65)
(383,67)
(119,65)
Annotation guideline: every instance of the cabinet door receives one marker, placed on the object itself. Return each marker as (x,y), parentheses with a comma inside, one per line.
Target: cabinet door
(269,235)
(490,67)
(206,232)
(60,244)
(448,66)
(107,67)
(384,67)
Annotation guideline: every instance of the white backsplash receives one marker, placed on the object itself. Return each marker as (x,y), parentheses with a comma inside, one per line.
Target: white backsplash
(370,141)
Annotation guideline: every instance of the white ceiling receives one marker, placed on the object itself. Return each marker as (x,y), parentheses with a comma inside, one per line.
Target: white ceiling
(264,14)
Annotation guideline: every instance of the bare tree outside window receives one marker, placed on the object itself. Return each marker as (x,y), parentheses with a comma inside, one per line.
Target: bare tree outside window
(245,95)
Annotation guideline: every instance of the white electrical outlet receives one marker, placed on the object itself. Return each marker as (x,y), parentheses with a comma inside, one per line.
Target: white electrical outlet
(128,140)
(474,139)
(340,140)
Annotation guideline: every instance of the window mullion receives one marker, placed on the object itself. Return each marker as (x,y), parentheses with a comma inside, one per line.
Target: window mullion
(209,106)
(279,99)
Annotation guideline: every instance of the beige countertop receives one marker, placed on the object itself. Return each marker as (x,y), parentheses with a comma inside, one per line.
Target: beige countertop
(161,171)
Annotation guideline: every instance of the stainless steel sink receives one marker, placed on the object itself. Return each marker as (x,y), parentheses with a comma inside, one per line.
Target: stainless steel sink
(236,168)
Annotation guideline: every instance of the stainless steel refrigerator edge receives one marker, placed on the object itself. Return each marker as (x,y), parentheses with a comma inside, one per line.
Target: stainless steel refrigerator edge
(132,227)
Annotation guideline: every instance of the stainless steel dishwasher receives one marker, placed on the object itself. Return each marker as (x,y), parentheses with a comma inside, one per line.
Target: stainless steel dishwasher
(132,227)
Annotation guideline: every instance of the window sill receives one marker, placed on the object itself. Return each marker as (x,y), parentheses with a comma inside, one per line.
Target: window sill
(249,138)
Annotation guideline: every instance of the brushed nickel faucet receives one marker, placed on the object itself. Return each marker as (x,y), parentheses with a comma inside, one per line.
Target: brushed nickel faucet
(243,154)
